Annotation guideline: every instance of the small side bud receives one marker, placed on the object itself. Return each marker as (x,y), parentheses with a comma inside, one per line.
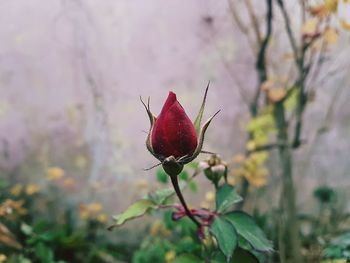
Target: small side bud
(214,169)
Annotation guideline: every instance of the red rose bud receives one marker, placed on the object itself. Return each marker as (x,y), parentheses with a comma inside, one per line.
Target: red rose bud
(173,133)
(173,139)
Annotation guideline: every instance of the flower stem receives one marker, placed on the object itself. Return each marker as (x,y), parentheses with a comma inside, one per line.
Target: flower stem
(177,189)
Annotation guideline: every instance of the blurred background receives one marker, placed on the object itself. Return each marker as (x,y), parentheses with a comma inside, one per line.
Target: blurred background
(72,146)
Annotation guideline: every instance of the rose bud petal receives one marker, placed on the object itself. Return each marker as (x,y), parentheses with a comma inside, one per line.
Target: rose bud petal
(173,133)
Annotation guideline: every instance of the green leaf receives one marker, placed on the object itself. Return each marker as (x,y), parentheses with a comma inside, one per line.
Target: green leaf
(43,252)
(184,176)
(292,101)
(245,256)
(135,210)
(225,235)
(197,122)
(343,240)
(3,183)
(249,230)
(186,258)
(162,195)
(226,196)
(240,256)
(193,186)
(162,177)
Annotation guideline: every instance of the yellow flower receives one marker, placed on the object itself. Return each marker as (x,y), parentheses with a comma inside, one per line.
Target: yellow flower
(54,173)
(155,228)
(170,255)
(2,258)
(102,218)
(92,211)
(95,207)
(32,189)
(16,189)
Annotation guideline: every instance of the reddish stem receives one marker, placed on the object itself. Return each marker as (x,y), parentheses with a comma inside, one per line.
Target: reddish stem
(177,189)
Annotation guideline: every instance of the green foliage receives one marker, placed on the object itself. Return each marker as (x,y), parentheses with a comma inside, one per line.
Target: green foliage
(225,235)
(226,196)
(249,230)
(291,102)
(325,194)
(44,238)
(135,210)
(186,258)
(338,248)
(162,177)
(240,256)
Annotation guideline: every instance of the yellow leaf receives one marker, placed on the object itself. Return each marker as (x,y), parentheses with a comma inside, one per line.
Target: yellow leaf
(309,28)
(32,189)
(16,189)
(332,5)
(250,145)
(102,218)
(324,9)
(331,36)
(54,173)
(345,25)
(275,95)
(266,85)
(2,258)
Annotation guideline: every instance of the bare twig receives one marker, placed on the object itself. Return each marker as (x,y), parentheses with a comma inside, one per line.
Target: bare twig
(267,147)
(253,19)
(240,25)
(289,31)
(261,59)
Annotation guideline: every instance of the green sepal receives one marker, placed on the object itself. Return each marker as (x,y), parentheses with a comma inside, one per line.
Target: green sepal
(197,122)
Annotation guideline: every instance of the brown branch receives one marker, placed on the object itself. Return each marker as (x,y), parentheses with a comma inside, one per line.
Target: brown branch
(262,76)
(253,19)
(320,60)
(261,59)
(266,147)
(237,18)
(289,32)
(240,25)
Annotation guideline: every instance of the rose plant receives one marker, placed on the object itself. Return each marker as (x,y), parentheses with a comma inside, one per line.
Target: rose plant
(224,234)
